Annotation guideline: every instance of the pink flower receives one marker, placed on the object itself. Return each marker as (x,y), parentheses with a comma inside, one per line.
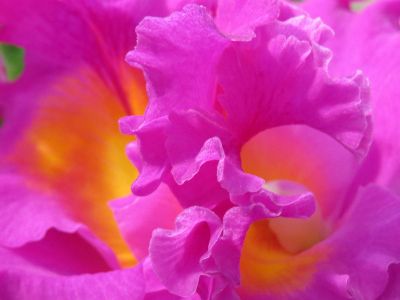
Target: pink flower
(244,119)
(254,177)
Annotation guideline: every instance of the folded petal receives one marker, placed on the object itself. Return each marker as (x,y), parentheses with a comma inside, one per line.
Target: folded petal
(149,154)
(196,153)
(26,279)
(176,254)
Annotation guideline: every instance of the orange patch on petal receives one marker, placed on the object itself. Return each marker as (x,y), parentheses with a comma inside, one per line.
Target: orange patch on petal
(266,267)
(74,147)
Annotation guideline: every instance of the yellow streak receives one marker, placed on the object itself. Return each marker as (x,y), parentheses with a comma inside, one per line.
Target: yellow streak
(266,267)
(74,147)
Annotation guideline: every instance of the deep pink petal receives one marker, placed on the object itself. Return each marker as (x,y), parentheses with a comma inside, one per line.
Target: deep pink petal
(59,253)
(176,254)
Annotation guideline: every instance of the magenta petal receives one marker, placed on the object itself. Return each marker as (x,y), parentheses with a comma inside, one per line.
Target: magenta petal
(23,280)
(201,247)
(195,119)
(175,72)
(194,141)
(281,78)
(137,217)
(62,253)
(360,254)
(25,219)
(85,25)
(365,40)
(190,154)
(366,242)
(155,290)
(176,254)
(149,156)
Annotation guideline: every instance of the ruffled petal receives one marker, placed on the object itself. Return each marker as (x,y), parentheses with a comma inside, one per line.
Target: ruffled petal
(366,40)
(178,77)
(195,118)
(195,147)
(176,254)
(352,262)
(156,290)
(281,78)
(193,257)
(238,220)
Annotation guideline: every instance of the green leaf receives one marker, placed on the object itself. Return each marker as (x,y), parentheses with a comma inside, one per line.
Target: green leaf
(13,58)
(359,6)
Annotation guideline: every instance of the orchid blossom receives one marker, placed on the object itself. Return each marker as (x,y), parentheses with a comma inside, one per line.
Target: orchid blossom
(257,158)
(265,146)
